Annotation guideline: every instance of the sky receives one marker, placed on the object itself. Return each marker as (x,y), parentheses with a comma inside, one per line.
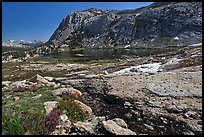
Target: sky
(39,20)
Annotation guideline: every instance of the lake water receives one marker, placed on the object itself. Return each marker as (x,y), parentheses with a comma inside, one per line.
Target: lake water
(103,54)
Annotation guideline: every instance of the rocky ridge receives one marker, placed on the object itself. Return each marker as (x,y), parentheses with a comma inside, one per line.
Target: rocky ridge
(159,24)
(22,43)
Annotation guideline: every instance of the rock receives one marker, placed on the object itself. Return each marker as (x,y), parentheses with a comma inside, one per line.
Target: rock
(39,79)
(70,91)
(155,24)
(19,86)
(149,127)
(195,128)
(86,109)
(137,114)
(5,83)
(97,119)
(63,117)
(177,109)
(84,127)
(49,106)
(128,115)
(82,75)
(58,91)
(120,122)
(89,127)
(188,132)
(151,73)
(74,92)
(30,83)
(115,129)
(66,124)
(51,84)
(139,120)
(164,120)
(57,85)
(134,70)
(106,72)
(127,104)
(183,107)
(191,115)
(16,98)
(36,97)
(60,131)
(172,109)
(93,76)
(73,133)
(49,78)
(144,66)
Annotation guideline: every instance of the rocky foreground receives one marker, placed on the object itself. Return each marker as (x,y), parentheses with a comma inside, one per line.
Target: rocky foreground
(161,94)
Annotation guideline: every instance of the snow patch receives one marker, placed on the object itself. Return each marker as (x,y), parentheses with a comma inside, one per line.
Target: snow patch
(137,14)
(152,68)
(172,61)
(127,46)
(198,44)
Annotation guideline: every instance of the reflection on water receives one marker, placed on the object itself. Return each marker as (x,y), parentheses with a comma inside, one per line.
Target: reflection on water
(103,54)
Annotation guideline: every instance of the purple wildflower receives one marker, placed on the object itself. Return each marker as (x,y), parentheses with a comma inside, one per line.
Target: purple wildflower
(47,122)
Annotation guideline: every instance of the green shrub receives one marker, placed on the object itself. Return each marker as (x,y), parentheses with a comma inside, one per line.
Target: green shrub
(73,112)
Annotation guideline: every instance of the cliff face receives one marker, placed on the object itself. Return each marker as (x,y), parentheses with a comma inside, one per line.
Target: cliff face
(159,24)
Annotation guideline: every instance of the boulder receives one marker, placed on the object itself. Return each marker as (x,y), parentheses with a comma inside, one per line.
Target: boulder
(19,86)
(66,124)
(116,129)
(89,127)
(74,92)
(86,109)
(49,78)
(84,127)
(39,79)
(120,122)
(16,98)
(188,132)
(70,91)
(63,117)
(36,97)
(58,91)
(182,108)
(134,70)
(49,106)
(191,115)
(5,83)
(51,84)
(172,109)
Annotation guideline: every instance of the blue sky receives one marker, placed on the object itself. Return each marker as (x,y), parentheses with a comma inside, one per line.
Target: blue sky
(38,20)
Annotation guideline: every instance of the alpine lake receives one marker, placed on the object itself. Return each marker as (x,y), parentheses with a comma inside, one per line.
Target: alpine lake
(107,55)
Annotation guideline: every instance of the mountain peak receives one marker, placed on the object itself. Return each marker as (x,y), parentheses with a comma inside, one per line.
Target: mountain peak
(161,23)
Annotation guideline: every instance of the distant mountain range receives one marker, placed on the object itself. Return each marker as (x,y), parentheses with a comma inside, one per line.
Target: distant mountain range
(22,43)
(159,24)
